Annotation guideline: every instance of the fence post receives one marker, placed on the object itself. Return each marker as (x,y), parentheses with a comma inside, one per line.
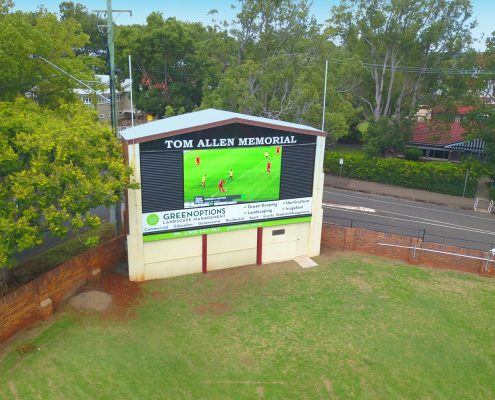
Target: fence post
(487,262)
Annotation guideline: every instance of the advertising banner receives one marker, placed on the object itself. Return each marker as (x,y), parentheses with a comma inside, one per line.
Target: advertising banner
(168,221)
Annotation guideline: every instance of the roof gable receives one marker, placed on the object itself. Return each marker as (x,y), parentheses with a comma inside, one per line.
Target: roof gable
(205,119)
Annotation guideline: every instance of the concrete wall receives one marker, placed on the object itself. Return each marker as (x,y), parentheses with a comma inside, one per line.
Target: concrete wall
(171,257)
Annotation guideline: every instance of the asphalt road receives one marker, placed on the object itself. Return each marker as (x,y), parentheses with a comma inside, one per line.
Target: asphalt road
(434,223)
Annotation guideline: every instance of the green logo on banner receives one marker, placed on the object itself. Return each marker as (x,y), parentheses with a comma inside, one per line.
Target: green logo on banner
(152,219)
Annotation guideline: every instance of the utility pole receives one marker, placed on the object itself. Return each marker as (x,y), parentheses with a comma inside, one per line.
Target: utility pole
(113,106)
(111,64)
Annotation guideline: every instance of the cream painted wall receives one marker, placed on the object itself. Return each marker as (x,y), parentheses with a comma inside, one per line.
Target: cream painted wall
(231,249)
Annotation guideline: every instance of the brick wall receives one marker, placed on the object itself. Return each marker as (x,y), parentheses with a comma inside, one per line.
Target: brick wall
(38,298)
(355,239)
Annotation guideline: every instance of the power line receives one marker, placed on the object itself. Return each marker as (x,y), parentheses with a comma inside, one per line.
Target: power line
(424,70)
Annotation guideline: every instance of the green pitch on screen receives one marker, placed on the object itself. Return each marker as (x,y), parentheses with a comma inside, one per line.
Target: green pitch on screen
(251,179)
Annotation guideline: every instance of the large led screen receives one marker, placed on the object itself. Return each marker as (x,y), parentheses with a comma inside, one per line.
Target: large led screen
(225,178)
(231,175)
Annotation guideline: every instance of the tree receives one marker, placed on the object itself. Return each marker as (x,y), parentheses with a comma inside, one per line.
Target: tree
(90,24)
(279,69)
(387,136)
(54,167)
(172,62)
(22,34)
(389,36)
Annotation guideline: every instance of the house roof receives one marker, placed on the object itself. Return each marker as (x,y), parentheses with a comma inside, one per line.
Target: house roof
(460,110)
(452,139)
(430,133)
(476,145)
(205,119)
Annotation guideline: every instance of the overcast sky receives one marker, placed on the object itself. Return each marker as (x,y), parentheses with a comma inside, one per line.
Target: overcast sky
(197,10)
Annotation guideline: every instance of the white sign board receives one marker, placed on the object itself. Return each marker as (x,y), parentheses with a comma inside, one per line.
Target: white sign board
(166,221)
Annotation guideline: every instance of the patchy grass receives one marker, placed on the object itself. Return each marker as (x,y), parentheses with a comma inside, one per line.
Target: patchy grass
(30,269)
(353,327)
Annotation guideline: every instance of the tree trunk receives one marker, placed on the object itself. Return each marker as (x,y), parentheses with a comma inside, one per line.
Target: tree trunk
(399,99)
(379,81)
(390,84)
(5,278)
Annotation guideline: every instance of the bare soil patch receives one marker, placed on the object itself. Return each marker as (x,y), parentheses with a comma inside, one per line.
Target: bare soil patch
(125,295)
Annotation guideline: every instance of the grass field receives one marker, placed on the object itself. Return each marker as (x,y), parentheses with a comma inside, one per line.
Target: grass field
(251,179)
(354,327)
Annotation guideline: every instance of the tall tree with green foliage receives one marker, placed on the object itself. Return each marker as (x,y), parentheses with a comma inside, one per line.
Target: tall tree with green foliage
(55,165)
(388,36)
(91,25)
(172,61)
(279,69)
(40,32)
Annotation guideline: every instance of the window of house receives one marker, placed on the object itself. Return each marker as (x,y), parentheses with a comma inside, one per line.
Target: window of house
(102,116)
(103,100)
(439,154)
(86,99)
(118,98)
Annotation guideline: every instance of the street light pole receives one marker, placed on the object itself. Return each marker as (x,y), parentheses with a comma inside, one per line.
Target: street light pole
(37,56)
(324,97)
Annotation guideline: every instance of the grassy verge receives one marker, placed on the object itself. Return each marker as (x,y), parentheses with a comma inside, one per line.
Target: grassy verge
(354,327)
(30,269)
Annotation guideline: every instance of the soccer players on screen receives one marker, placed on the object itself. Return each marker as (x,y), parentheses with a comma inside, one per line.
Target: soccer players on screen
(220,186)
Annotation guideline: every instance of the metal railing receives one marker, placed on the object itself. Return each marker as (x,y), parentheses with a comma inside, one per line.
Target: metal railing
(420,233)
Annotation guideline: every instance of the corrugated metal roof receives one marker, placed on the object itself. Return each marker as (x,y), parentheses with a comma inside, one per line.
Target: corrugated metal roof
(476,145)
(206,119)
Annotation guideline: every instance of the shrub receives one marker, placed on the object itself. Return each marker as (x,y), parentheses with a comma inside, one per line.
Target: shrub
(432,176)
(413,153)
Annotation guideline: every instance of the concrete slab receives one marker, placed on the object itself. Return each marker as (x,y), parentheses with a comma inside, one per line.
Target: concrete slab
(305,262)
(92,300)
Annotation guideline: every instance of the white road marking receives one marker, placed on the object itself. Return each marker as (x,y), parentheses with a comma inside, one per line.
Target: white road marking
(421,219)
(441,224)
(345,207)
(405,204)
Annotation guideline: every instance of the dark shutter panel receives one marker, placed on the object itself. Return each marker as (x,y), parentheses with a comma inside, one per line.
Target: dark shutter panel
(162,181)
(297,171)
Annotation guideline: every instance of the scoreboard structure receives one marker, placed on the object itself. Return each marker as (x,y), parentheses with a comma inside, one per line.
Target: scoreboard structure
(220,189)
